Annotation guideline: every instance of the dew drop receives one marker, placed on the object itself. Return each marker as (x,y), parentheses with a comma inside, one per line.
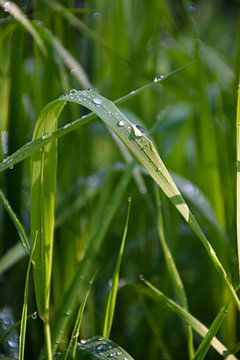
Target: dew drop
(46,135)
(68,313)
(11,167)
(97,101)
(83,341)
(73,91)
(121,123)
(157,78)
(66,126)
(137,131)
(34,315)
(133,92)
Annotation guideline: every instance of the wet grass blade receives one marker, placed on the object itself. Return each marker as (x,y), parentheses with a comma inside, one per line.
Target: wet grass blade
(16,222)
(31,147)
(144,150)
(72,348)
(43,170)
(111,303)
(102,349)
(191,320)
(173,272)
(238,178)
(206,341)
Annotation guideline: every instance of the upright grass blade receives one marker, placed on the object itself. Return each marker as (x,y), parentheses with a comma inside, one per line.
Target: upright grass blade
(206,341)
(190,319)
(43,183)
(16,12)
(24,310)
(238,178)
(72,347)
(86,267)
(102,349)
(113,292)
(173,272)
(19,227)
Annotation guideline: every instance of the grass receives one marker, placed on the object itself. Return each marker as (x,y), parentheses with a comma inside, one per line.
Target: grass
(158,125)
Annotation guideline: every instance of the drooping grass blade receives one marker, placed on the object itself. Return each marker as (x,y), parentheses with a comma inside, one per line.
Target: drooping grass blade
(190,319)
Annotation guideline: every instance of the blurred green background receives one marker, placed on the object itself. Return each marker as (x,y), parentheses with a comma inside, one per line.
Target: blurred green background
(120,45)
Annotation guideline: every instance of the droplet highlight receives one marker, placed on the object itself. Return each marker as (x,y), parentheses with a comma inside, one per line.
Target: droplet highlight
(97,101)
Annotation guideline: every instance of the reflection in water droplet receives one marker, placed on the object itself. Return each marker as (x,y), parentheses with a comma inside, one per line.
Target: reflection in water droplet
(137,132)
(97,101)
(121,123)
(34,315)
(157,78)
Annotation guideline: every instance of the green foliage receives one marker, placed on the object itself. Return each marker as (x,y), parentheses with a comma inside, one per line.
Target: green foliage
(168,73)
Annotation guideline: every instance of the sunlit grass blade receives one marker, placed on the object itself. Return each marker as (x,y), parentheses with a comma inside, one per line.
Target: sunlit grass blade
(43,183)
(23,325)
(173,272)
(190,319)
(89,264)
(206,341)
(11,257)
(111,303)
(72,347)
(16,222)
(17,13)
(102,349)
(238,179)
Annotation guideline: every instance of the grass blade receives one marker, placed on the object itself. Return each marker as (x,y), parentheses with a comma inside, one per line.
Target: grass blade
(102,349)
(16,12)
(206,341)
(191,320)
(238,178)
(173,272)
(75,334)
(16,222)
(24,310)
(86,267)
(113,292)
(11,257)
(144,150)
(43,184)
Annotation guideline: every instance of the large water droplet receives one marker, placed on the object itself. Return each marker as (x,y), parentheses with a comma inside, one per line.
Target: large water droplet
(137,132)
(121,123)
(34,315)
(97,101)
(157,78)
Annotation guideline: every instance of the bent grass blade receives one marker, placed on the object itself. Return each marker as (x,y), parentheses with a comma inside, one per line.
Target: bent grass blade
(190,319)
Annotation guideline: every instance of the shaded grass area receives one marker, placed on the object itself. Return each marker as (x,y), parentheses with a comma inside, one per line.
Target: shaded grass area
(117,47)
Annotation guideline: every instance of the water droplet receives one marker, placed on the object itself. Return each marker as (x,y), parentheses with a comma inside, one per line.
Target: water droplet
(6,6)
(157,78)
(46,135)
(97,101)
(12,343)
(137,132)
(133,92)
(121,123)
(66,126)
(11,167)
(119,353)
(129,199)
(73,91)
(34,315)
(83,341)
(125,358)
(141,277)
(68,313)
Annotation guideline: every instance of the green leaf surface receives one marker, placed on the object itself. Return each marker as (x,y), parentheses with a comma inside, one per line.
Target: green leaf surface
(238,178)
